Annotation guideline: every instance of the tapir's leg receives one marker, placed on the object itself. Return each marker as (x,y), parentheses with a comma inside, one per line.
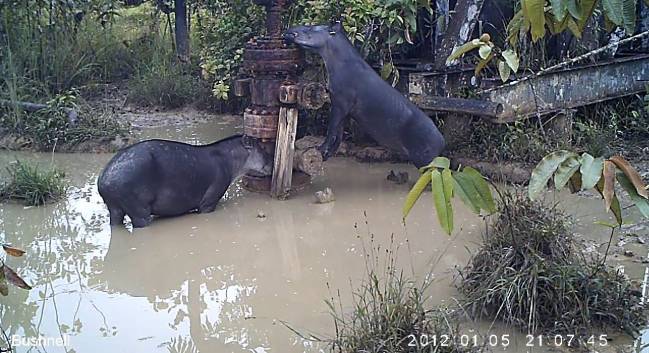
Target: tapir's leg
(339,113)
(212,197)
(138,211)
(116,215)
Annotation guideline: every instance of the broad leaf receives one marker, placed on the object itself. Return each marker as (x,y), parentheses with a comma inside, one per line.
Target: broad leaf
(13,251)
(591,170)
(615,203)
(641,203)
(463,186)
(609,183)
(534,10)
(628,16)
(632,175)
(574,28)
(4,288)
(587,7)
(511,58)
(415,193)
(438,162)
(613,11)
(463,49)
(574,10)
(559,8)
(386,71)
(13,278)
(503,70)
(482,186)
(484,51)
(482,64)
(544,170)
(565,171)
(442,184)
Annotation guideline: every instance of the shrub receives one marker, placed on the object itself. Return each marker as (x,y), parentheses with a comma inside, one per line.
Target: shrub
(530,273)
(51,126)
(388,311)
(163,85)
(520,141)
(32,184)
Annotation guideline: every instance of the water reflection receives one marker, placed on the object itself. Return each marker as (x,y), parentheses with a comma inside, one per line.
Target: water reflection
(219,282)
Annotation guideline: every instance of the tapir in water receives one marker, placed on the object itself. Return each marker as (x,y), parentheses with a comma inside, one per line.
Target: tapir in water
(168,178)
(357,91)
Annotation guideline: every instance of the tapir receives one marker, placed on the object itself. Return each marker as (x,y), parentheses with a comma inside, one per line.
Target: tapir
(357,91)
(168,178)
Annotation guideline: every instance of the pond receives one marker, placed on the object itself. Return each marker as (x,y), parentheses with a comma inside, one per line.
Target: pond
(229,281)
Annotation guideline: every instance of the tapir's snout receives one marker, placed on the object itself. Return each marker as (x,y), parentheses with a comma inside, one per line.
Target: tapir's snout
(289,36)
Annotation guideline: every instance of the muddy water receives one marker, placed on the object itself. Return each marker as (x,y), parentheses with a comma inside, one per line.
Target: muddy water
(225,281)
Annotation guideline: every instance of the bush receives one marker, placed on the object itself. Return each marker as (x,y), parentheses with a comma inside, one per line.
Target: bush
(164,85)
(33,185)
(51,127)
(520,141)
(530,273)
(388,311)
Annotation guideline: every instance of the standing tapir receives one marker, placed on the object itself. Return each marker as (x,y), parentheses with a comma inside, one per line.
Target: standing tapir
(168,178)
(356,90)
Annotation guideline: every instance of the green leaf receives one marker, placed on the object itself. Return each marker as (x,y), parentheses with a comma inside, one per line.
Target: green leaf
(463,186)
(438,162)
(442,193)
(482,186)
(503,70)
(606,224)
(544,170)
(415,193)
(565,171)
(559,9)
(484,51)
(482,64)
(386,71)
(574,10)
(534,11)
(511,58)
(574,28)
(463,49)
(613,11)
(641,203)
(591,171)
(588,8)
(628,16)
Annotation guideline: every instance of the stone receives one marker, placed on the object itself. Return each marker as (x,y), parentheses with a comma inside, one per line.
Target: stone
(325,196)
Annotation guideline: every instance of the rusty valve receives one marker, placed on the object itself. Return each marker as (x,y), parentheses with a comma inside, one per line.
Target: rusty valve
(310,95)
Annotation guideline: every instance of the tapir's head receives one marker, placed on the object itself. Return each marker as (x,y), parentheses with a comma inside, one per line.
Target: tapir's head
(313,37)
(258,161)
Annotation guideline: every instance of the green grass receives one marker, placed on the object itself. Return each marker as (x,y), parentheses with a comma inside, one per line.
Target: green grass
(50,127)
(390,312)
(166,86)
(32,184)
(530,273)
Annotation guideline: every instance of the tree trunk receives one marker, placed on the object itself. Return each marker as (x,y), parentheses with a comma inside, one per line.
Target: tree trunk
(459,29)
(182,32)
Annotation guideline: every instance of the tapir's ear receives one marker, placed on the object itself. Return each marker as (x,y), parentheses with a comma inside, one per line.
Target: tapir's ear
(337,27)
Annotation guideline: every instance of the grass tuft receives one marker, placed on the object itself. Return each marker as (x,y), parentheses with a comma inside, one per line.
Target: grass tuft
(530,273)
(389,313)
(33,185)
